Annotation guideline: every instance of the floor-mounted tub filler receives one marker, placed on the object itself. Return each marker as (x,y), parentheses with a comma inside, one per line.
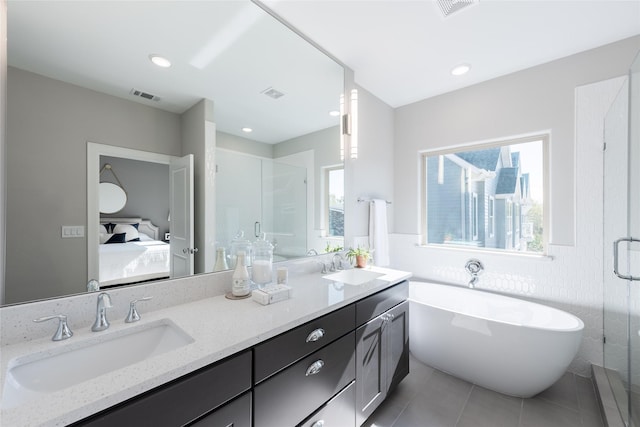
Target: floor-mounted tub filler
(505,344)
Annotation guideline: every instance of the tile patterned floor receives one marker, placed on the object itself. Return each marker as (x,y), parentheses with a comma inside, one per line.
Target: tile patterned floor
(431,398)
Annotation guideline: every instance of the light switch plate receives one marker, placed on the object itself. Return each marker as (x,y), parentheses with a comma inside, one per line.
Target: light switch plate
(72,231)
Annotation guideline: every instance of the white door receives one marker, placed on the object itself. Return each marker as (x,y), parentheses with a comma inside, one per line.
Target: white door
(181,208)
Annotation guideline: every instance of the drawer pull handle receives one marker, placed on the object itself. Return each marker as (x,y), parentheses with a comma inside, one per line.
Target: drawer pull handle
(315,335)
(314,368)
(319,423)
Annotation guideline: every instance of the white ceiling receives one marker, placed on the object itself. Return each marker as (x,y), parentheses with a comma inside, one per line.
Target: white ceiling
(403,51)
(226,51)
(231,51)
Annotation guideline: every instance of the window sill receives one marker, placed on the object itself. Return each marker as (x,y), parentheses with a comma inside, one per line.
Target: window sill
(491,252)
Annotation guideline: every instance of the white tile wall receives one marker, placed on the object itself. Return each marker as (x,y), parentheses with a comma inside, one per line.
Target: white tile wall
(571,277)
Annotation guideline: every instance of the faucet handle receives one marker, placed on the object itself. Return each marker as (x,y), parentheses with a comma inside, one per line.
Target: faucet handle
(63,332)
(133,315)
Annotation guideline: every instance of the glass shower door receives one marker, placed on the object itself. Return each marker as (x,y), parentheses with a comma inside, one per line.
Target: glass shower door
(622,225)
(633,254)
(615,211)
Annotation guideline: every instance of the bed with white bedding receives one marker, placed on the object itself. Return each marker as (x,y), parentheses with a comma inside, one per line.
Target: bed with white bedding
(131,252)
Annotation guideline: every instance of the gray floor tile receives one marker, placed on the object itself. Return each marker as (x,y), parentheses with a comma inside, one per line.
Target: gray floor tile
(430,398)
(542,413)
(387,413)
(439,405)
(563,392)
(486,408)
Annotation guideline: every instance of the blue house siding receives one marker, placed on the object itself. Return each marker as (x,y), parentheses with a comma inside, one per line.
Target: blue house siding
(451,212)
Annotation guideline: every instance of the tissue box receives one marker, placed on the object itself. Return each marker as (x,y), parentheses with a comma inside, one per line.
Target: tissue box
(271,294)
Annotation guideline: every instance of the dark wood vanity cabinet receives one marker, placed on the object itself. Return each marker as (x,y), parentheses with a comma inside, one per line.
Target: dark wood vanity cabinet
(382,357)
(331,371)
(181,402)
(288,397)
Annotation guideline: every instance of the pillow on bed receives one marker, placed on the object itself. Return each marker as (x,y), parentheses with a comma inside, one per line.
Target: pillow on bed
(131,231)
(108,226)
(113,238)
(144,237)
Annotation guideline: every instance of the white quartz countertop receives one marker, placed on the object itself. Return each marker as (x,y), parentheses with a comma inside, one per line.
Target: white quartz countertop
(219,327)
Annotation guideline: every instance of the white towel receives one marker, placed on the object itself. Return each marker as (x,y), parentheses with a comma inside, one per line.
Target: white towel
(378,234)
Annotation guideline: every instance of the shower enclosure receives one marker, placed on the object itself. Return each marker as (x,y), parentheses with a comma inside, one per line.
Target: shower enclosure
(622,230)
(257,195)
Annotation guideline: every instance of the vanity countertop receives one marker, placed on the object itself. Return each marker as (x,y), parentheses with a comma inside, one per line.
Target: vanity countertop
(219,326)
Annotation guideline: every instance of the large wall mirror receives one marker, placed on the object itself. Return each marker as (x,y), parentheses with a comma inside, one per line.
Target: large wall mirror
(254,105)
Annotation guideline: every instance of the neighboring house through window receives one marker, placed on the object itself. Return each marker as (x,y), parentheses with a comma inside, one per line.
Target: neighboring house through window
(481,196)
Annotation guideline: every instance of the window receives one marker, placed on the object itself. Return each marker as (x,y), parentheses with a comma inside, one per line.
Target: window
(334,201)
(474,216)
(491,223)
(486,196)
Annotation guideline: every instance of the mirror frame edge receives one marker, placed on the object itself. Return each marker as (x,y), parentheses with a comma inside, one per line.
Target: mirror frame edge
(3,140)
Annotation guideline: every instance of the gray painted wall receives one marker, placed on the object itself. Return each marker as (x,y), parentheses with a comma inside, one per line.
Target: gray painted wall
(537,99)
(244,145)
(326,152)
(199,139)
(48,126)
(371,174)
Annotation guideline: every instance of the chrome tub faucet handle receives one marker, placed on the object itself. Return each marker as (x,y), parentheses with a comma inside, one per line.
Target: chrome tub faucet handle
(63,332)
(133,315)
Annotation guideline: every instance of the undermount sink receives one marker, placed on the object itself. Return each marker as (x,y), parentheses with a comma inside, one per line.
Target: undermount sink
(47,372)
(354,276)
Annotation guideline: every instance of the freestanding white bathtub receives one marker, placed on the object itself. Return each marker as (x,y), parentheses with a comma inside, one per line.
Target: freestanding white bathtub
(505,344)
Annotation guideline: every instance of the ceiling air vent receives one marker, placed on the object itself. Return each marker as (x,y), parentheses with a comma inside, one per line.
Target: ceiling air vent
(448,7)
(145,95)
(273,93)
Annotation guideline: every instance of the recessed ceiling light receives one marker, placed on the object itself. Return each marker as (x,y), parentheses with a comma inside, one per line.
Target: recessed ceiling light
(160,61)
(461,69)
(334,113)
(247,130)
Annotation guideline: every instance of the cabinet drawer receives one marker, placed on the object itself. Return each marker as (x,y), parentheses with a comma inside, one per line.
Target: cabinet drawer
(338,412)
(236,413)
(377,304)
(288,397)
(183,400)
(287,348)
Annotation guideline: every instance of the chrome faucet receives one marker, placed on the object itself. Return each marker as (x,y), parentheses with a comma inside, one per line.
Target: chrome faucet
(101,323)
(474,267)
(63,332)
(337,266)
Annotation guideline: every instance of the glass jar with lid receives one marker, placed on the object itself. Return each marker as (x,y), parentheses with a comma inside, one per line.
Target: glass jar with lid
(239,243)
(262,264)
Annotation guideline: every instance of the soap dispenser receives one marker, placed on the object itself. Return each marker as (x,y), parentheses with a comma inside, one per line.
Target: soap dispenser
(241,279)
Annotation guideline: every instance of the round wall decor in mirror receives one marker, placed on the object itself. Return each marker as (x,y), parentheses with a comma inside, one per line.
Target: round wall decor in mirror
(112,198)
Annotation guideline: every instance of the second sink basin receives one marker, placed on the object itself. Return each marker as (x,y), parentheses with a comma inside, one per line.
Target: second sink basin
(48,372)
(354,276)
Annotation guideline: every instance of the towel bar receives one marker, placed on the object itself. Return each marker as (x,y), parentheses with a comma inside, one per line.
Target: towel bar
(360,200)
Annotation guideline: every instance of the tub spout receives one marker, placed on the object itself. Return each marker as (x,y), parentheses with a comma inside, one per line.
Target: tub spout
(474,267)
(472,282)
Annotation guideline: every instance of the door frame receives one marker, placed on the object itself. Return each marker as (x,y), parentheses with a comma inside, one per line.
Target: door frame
(94,151)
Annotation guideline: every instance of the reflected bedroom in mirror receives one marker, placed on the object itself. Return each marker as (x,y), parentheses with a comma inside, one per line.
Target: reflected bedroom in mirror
(125,171)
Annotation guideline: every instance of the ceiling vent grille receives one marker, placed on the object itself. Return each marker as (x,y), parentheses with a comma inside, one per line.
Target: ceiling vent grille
(449,7)
(273,93)
(145,95)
